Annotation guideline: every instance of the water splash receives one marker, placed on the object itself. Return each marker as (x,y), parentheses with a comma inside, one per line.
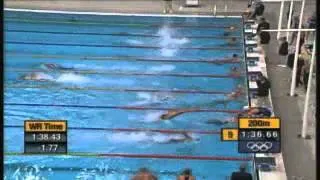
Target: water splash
(152,116)
(169,45)
(72,78)
(28,173)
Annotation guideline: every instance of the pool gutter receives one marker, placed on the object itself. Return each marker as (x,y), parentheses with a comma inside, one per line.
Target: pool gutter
(115,14)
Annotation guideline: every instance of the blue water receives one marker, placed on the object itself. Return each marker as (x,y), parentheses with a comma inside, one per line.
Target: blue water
(22,29)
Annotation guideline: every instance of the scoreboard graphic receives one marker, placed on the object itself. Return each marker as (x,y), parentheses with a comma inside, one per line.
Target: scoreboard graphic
(255,135)
(45,137)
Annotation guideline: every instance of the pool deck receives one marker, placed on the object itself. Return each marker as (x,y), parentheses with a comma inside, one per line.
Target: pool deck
(298,154)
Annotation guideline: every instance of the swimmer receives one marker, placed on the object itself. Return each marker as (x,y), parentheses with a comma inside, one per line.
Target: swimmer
(229,30)
(239,91)
(234,59)
(219,122)
(37,76)
(233,96)
(185,138)
(235,71)
(232,41)
(186,175)
(50,66)
(173,113)
(256,112)
(144,174)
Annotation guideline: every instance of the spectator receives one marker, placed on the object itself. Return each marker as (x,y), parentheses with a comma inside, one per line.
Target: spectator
(263,90)
(263,86)
(241,175)
(186,175)
(258,10)
(144,174)
(264,24)
(264,41)
(283,51)
(168,6)
(305,56)
(290,58)
(299,70)
(311,24)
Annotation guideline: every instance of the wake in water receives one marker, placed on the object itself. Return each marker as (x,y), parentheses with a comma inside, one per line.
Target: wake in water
(72,78)
(152,98)
(169,45)
(135,42)
(162,68)
(151,137)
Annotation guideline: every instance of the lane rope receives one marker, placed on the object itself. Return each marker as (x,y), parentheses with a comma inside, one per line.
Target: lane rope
(96,170)
(140,108)
(148,156)
(164,131)
(74,21)
(126,73)
(125,46)
(118,89)
(126,58)
(120,34)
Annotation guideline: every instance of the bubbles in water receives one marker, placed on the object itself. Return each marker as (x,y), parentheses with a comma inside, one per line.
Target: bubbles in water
(134,42)
(168,52)
(72,78)
(165,67)
(129,137)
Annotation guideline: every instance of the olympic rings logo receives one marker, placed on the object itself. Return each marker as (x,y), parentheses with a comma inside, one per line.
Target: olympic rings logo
(259,146)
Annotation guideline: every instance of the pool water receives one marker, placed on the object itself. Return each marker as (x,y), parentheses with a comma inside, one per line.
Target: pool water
(110,55)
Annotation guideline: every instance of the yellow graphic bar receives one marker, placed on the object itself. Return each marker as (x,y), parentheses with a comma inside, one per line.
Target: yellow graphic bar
(229,134)
(259,123)
(45,126)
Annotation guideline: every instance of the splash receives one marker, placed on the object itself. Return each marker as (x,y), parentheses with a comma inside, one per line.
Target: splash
(169,45)
(72,78)
(152,116)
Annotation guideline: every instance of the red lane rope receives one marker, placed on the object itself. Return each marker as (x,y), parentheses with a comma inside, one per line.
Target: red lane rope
(149,156)
(129,58)
(164,131)
(115,24)
(120,34)
(183,110)
(130,73)
(123,90)
(218,47)
(161,156)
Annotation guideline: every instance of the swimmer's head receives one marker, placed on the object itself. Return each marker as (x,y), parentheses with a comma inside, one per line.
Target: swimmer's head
(144,170)
(231,27)
(235,55)
(187,172)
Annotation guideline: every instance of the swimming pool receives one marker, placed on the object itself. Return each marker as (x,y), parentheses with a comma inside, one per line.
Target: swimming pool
(116,62)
